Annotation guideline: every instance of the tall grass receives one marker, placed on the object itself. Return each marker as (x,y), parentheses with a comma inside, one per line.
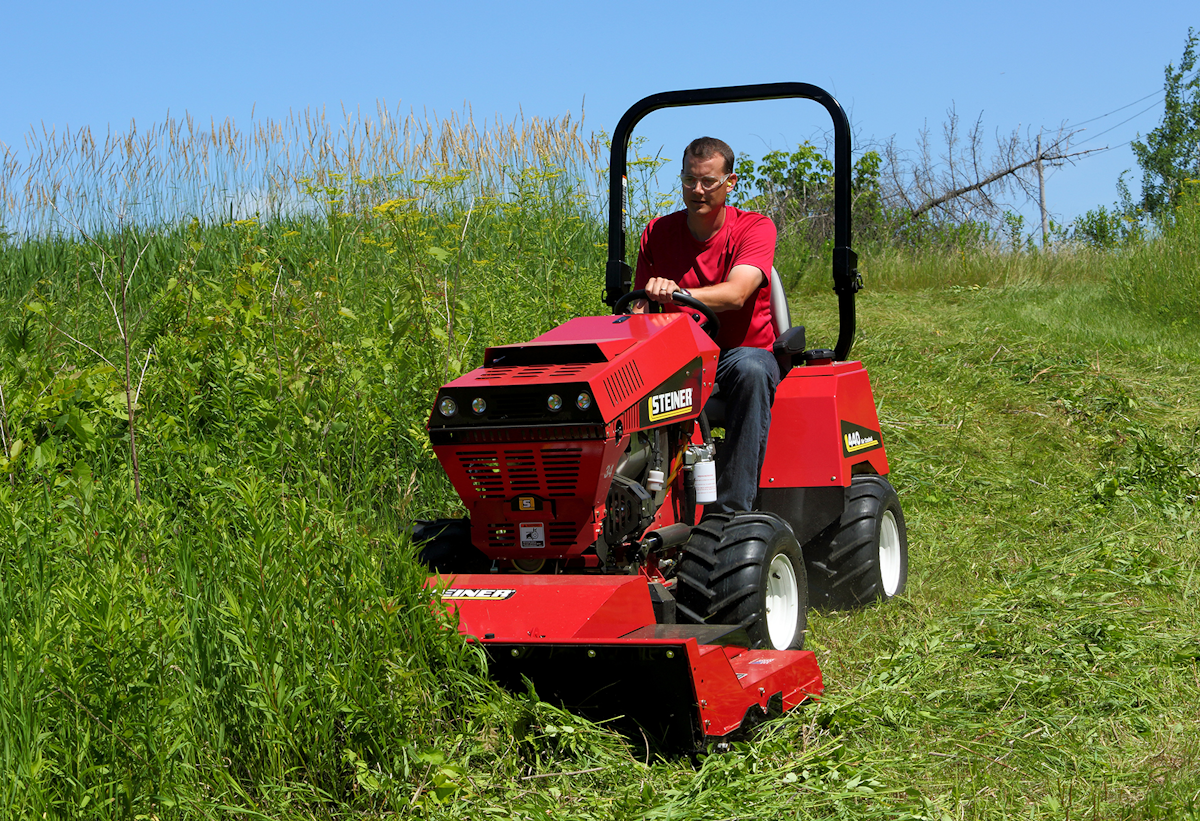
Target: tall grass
(1159,276)
(254,632)
(155,658)
(181,169)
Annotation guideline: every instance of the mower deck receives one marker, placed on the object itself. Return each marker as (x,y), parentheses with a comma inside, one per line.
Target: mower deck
(584,638)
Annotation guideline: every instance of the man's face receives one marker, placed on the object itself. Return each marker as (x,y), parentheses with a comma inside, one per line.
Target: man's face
(697,200)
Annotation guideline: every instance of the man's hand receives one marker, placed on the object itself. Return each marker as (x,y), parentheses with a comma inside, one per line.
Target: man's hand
(657,289)
(660,289)
(729,295)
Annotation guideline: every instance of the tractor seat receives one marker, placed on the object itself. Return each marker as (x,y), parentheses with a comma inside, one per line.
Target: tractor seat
(789,344)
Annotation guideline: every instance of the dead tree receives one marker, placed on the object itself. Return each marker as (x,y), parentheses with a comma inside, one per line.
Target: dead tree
(965,180)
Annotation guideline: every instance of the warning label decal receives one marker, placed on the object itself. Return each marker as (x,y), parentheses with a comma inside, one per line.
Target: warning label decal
(533,535)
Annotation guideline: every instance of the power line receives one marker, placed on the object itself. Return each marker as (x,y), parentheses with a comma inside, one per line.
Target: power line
(1122,108)
(1163,94)
(1118,125)
(1096,151)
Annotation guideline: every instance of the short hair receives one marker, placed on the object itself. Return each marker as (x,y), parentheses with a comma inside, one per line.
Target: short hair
(702,148)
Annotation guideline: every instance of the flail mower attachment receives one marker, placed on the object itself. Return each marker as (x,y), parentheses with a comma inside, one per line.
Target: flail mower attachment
(593,643)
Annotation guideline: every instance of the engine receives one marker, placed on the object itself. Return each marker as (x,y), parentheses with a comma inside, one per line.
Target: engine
(568,447)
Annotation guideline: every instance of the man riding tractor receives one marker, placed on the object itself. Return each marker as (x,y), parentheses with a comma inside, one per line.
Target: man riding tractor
(722,256)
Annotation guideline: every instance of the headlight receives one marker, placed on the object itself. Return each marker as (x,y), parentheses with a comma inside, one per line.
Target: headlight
(554,402)
(478,404)
(583,401)
(447,407)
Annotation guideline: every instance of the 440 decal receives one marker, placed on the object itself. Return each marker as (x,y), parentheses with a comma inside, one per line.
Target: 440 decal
(856,439)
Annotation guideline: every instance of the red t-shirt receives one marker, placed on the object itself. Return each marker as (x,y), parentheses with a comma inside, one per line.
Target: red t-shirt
(669,250)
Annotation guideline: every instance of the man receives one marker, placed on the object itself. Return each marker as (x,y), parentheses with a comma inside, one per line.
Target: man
(722,256)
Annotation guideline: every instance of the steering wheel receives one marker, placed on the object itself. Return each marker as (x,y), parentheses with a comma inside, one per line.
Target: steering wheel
(710,324)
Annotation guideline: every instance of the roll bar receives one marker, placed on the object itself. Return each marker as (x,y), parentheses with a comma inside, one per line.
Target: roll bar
(846,280)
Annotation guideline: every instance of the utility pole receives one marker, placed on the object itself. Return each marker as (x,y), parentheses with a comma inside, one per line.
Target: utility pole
(1042,194)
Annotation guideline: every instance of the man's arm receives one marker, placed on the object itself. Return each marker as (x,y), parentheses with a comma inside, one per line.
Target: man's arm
(730,295)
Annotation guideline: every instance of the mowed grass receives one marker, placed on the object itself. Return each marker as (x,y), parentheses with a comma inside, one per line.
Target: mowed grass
(1043,660)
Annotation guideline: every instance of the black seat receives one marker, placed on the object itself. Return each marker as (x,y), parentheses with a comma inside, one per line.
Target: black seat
(789,341)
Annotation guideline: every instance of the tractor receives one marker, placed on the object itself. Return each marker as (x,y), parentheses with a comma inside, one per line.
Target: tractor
(585,458)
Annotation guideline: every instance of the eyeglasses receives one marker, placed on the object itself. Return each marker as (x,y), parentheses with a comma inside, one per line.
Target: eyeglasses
(706,183)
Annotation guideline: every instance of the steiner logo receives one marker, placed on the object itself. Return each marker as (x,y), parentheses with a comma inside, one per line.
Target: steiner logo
(476,593)
(670,404)
(857,439)
(676,396)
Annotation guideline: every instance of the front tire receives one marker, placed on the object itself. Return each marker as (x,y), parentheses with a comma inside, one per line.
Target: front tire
(863,557)
(745,569)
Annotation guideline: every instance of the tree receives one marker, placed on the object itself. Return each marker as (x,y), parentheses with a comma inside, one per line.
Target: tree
(1170,154)
(795,189)
(966,181)
(959,190)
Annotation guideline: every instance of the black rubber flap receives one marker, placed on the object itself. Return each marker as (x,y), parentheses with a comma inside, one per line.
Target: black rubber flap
(640,686)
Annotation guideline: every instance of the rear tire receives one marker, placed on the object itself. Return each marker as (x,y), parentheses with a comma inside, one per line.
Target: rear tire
(863,557)
(745,569)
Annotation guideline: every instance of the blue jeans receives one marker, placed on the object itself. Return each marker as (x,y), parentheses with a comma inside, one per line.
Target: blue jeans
(747,378)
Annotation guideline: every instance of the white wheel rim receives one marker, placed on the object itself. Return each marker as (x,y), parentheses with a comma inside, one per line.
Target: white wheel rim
(783,602)
(889,553)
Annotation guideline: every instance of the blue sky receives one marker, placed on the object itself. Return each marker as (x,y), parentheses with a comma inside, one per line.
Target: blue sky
(895,67)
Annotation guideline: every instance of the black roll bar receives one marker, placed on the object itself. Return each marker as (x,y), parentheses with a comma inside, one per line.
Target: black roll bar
(846,280)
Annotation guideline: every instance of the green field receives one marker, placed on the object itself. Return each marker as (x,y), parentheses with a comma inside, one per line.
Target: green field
(237,626)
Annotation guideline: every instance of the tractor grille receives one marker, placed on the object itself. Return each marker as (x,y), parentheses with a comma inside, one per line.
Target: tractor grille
(623,383)
(488,436)
(522,471)
(483,469)
(561,470)
(629,419)
(499,474)
(533,371)
(502,535)
(563,534)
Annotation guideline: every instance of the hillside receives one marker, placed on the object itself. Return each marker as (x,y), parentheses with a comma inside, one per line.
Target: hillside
(251,635)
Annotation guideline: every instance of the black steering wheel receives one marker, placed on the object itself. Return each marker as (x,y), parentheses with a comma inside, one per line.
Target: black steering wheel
(710,324)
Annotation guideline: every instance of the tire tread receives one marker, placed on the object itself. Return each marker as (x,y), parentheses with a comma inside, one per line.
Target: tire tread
(843,560)
(718,579)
